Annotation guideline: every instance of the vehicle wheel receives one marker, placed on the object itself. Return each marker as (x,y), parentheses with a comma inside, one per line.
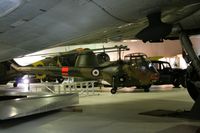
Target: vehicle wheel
(146,88)
(113,90)
(15,84)
(176,83)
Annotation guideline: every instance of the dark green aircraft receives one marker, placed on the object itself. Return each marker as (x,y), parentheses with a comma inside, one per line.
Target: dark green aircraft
(134,70)
(60,59)
(52,59)
(68,58)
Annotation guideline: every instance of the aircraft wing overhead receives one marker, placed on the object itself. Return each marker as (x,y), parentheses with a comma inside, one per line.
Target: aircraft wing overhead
(31,25)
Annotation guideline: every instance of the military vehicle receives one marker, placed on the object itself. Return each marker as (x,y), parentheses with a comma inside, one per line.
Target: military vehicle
(134,70)
(169,75)
(142,66)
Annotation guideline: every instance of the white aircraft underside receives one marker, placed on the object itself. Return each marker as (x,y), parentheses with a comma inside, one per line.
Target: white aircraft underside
(30,25)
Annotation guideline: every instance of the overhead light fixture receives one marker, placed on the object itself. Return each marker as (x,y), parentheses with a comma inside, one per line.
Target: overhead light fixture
(7,6)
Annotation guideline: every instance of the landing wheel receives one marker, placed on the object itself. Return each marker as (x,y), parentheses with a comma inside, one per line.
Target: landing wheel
(113,90)
(15,84)
(191,78)
(192,90)
(146,88)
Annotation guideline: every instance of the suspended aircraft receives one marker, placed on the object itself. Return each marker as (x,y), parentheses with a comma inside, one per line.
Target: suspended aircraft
(134,70)
(27,26)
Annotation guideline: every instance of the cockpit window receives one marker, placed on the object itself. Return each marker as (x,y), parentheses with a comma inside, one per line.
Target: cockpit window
(137,59)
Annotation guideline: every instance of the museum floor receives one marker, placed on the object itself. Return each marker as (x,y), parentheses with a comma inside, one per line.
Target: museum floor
(107,113)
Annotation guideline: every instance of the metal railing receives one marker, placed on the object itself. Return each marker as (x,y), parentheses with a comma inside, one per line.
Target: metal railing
(85,88)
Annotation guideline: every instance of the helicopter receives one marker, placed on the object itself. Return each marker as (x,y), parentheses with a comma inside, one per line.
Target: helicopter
(58,59)
(134,70)
(64,59)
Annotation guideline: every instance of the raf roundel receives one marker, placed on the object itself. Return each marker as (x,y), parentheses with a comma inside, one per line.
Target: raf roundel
(95,72)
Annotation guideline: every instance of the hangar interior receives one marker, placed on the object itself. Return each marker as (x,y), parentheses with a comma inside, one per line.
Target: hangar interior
(99,66)
(164,109)
(169,50)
